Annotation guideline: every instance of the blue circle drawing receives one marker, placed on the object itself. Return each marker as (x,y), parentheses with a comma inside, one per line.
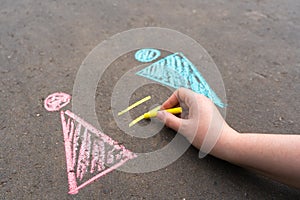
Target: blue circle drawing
(147,55)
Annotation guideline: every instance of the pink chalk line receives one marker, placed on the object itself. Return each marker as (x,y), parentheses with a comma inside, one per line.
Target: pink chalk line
(56,101)
(91,151)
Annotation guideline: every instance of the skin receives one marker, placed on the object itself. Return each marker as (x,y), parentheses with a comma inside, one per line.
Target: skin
(274,155)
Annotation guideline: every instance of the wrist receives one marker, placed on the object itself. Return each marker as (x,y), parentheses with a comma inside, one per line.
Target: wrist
(225,146)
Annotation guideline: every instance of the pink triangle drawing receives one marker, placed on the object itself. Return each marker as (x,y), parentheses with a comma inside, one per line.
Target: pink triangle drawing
(90,154)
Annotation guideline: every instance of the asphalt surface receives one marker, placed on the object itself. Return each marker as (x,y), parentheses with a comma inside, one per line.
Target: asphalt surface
(255,44)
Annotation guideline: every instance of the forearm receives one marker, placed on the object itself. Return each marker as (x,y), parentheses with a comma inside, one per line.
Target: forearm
(274,155)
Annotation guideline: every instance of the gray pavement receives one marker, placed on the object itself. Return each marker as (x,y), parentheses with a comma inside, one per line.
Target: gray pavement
(255,44)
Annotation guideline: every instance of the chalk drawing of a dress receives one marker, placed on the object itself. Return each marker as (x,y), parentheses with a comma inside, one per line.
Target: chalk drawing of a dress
(176,71)
(90,154)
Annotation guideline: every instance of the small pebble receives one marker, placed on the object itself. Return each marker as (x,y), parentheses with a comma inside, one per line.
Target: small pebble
(105,191)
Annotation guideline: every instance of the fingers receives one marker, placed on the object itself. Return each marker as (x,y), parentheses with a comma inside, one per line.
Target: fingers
(187,97)
(182,95)
(171,102)
(170,120)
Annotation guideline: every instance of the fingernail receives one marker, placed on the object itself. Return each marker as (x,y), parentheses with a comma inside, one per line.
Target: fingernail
(160,115)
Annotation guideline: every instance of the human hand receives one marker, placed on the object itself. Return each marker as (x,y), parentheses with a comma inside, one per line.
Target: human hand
(200,122)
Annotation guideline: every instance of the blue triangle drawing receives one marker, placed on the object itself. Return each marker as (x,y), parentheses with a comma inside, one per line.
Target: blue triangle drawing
(177,71)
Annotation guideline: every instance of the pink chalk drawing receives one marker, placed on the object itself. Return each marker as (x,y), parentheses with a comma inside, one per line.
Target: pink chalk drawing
(90,154)
(56,101)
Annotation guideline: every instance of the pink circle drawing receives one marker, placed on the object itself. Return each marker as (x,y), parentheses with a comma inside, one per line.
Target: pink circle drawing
(56,101)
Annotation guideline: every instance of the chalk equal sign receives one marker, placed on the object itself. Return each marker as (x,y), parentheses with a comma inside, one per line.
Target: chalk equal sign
(90,154)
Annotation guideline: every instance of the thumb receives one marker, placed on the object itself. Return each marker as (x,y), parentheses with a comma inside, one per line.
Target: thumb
(169,119)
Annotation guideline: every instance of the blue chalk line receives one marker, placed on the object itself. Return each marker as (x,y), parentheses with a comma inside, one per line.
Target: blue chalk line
(177,71)
(147,55)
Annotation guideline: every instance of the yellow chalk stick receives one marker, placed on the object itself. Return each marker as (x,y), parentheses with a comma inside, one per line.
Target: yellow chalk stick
(143,116)
(153,113)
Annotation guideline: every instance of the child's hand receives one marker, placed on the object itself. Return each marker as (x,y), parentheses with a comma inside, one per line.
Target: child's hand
(275,155)
(199,118)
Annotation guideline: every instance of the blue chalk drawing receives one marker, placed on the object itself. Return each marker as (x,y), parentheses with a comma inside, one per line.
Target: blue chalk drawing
(177,71)
(147,55)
